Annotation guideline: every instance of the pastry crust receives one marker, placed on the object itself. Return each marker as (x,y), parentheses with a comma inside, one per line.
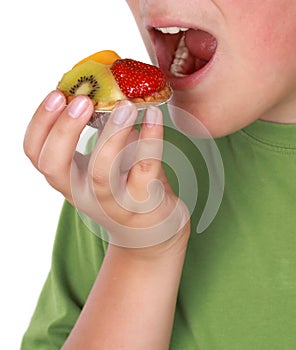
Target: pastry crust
(157,97)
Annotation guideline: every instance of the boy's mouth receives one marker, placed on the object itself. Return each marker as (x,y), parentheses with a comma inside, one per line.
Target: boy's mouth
(183,53)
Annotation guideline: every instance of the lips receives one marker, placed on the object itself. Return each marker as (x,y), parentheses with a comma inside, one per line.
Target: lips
(183,54)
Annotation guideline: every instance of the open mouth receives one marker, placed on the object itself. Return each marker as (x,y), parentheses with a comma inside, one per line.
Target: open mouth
(183,52)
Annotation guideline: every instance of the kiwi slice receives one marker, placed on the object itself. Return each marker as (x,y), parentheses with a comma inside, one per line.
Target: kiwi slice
(93,79)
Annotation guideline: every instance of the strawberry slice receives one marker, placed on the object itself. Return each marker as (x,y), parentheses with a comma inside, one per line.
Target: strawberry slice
(137,79)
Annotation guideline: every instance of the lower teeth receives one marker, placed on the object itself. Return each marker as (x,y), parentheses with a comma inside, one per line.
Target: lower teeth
(184,63)
(181,54)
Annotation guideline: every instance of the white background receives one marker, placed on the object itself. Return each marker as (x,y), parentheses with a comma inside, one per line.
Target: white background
(40,40)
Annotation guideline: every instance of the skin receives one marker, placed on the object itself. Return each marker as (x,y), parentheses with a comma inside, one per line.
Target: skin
(252,76)
(126,308)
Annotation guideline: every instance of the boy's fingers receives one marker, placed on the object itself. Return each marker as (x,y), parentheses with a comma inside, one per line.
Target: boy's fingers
(144,183)
(105,165)
(41,124)
(56,155)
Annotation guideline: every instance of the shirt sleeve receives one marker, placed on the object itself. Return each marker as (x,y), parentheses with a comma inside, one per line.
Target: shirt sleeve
(77,256)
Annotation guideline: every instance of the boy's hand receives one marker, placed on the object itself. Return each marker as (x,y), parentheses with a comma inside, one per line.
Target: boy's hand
(121,184)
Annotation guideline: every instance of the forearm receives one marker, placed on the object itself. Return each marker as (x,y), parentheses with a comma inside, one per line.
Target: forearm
(132,303)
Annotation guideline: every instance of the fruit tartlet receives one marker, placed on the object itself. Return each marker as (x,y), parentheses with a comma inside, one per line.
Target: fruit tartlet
(107,79)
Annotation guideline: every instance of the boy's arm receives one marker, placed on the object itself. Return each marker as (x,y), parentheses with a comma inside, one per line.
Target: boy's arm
(132,303)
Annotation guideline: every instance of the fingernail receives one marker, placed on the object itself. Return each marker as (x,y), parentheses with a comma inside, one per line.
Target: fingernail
(54,101)
(78,106)
(122,112)
(151,116)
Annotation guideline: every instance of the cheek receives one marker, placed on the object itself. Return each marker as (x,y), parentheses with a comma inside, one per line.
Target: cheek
(261,49)
(264,31)
(271,65)
(270,47)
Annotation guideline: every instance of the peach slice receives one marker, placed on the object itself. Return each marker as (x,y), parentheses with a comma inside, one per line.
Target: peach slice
(106,57)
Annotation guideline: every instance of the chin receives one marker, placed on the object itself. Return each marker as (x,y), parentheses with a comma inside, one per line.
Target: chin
(205,120)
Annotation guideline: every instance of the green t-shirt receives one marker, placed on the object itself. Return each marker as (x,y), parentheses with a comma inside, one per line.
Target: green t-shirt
(238,287)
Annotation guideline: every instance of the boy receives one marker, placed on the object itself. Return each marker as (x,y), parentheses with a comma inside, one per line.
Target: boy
(232,66)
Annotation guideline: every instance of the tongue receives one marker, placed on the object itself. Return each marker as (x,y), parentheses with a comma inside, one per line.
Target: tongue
(200,44)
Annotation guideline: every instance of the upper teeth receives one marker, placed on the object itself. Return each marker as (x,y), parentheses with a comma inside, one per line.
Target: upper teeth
(171,30)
